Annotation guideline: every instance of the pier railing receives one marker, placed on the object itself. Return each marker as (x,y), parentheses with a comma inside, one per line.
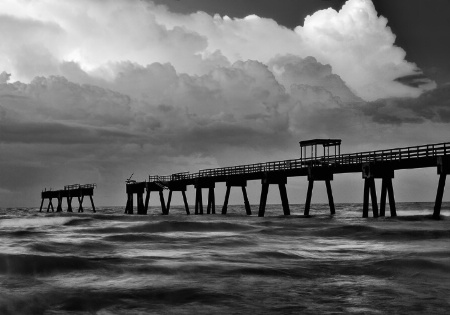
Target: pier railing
(78,186)
(406,153)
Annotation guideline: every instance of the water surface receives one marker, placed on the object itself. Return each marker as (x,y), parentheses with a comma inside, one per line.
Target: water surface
(110,263)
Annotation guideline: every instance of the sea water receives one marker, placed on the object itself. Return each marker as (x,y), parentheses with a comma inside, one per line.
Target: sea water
(111,263)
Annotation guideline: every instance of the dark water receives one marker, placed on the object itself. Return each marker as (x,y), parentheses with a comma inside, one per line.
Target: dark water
(109,263)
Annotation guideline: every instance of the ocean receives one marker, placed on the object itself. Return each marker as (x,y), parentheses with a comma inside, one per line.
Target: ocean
(111,263)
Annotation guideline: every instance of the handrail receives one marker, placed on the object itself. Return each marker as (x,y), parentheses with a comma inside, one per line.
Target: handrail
(78,186)
(415,152)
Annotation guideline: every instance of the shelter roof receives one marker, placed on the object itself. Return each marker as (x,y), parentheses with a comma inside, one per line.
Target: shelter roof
(324,142)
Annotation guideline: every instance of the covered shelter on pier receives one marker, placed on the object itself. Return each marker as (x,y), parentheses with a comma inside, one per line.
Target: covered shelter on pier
(325,143)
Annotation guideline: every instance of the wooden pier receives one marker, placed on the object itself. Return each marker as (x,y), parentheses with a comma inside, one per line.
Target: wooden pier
(372,165)
(68,193)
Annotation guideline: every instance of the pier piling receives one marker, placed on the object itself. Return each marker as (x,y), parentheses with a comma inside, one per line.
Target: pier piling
(322,173)
(211,201)
(182,189)
(443,168)
(330,196)
(186,205)
(50,204)
(80,201)
(263,199)
(439,195)
(225,201)
(198,200)
(309,196)
(237,182)
(384,171)
(387,189)
(69,204)
(275,179)
(59,206)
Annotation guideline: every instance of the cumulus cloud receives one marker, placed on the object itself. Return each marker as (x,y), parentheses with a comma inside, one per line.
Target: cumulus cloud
(44,35)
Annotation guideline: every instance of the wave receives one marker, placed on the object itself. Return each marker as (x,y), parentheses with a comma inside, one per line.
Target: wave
(11,264)
(175,226)
(34,222)
(382,234)
(21,233)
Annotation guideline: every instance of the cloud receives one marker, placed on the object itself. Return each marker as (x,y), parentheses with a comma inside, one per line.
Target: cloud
(45,36)
(432,105)
(292,70)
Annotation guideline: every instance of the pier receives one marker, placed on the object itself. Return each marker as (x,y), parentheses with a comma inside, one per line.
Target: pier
(372,165)
(68,193)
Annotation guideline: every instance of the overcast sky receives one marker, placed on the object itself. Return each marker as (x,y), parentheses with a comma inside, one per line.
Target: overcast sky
(92,91)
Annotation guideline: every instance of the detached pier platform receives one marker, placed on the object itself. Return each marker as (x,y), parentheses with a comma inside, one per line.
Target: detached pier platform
(69,192)
(372,165)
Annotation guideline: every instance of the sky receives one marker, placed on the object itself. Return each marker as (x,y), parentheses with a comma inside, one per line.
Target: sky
(94,91)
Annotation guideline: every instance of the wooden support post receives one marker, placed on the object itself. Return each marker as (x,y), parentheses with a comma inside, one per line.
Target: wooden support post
(390,189)
(69,204)
(284,199)
(128,204)
(248,210)
(196,201)
(383,197)
(169,200)
(200,201)
(263,199)
(330,196)
(208,207)
(308,196)
(80,200)
(186,206)
(373,195)
(50,204)
(92,203)
(211,201)
(366,198)
(212,196)
(42,203)
(59,206)
(140,203)
(163,203)
(439,195)
(147,200)
(225,202)
(129,208)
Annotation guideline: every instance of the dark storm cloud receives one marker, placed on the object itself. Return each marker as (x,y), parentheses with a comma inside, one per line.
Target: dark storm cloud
(432,105)
(58,133)
(414,80)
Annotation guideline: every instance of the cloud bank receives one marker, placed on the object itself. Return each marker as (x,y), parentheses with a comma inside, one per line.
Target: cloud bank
(107,88)
(40,36)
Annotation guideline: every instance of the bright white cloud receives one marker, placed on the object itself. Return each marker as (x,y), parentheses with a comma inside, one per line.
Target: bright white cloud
(38,36)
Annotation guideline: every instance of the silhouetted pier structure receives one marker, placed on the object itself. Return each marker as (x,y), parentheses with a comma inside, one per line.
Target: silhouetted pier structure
(69,192)
(372,165)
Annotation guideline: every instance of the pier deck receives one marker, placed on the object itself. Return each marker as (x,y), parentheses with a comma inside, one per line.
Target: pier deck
(69,192)
(372,164)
